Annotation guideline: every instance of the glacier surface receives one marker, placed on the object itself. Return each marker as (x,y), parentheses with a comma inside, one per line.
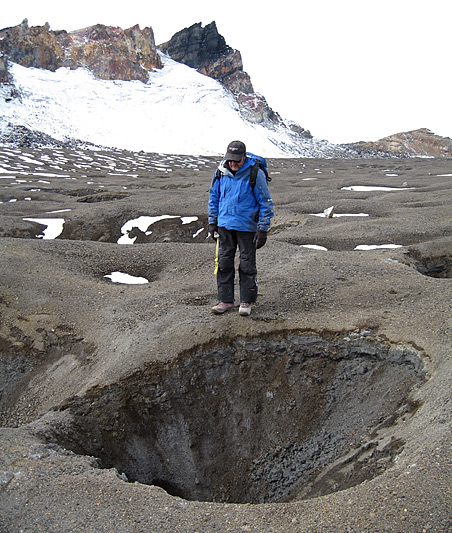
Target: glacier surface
(178,111)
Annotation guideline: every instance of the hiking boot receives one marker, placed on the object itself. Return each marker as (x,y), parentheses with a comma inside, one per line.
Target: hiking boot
(245,309)
(222,307)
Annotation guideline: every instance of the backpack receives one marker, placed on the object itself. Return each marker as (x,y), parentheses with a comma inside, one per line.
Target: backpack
(261,163)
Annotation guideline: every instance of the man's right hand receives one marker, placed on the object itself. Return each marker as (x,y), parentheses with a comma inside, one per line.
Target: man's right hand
(213,228)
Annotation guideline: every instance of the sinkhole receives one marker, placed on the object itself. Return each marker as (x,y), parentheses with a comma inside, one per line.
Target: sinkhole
(433,259)
(271,419)
(436,269)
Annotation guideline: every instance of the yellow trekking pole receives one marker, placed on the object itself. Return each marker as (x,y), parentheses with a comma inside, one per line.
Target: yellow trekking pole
(216,255)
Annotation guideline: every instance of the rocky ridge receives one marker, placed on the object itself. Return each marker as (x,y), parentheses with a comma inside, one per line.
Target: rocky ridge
(110,53)
(415,143)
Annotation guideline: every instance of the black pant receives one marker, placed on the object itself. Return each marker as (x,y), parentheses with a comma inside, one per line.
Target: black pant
(229,240)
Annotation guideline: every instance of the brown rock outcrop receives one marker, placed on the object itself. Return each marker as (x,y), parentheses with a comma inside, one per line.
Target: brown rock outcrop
(229,70)
(109,52)
(34,47)
(421,142)
(112,53)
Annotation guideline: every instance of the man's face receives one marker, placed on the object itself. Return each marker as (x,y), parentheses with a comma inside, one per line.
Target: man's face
(236,165)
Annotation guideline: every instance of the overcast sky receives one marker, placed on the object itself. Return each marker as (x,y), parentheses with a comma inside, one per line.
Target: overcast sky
(346,70)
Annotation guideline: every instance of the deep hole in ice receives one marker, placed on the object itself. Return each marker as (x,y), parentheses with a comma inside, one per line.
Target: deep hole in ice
(269,419)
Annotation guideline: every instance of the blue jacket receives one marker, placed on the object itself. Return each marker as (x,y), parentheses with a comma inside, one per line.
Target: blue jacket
(234,205)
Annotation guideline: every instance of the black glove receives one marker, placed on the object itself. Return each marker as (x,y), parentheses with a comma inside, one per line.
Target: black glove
(213,228)
(260,238)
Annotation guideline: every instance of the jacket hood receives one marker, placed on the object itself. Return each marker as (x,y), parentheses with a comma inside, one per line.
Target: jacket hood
(225,170)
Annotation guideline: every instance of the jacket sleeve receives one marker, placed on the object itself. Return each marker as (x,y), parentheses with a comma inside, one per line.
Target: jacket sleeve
(264,199)
(214,199)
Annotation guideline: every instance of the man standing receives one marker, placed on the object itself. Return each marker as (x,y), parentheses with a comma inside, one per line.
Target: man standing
(240,214)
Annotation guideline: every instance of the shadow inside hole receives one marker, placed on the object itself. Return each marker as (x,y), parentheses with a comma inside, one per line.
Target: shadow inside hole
(257,420)
(432,259)
(436,269)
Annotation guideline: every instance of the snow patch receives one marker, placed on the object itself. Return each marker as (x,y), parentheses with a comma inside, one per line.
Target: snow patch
(364,188)
(54,227)
(314,247)
(127,279)
(377,246)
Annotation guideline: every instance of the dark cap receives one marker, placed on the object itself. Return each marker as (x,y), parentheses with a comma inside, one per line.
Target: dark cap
(236,150)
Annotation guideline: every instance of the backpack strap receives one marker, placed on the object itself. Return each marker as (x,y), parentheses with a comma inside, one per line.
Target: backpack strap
(216,176)
(253,173)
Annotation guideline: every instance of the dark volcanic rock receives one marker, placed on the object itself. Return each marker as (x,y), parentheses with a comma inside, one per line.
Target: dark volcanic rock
(204,49)
(17,136)
(196,46)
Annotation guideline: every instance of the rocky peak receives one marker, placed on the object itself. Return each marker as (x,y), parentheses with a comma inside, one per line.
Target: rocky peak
(197,46)
(206,50)
(109,52)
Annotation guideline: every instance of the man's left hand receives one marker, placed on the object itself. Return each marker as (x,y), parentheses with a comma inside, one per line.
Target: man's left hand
(260,238)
